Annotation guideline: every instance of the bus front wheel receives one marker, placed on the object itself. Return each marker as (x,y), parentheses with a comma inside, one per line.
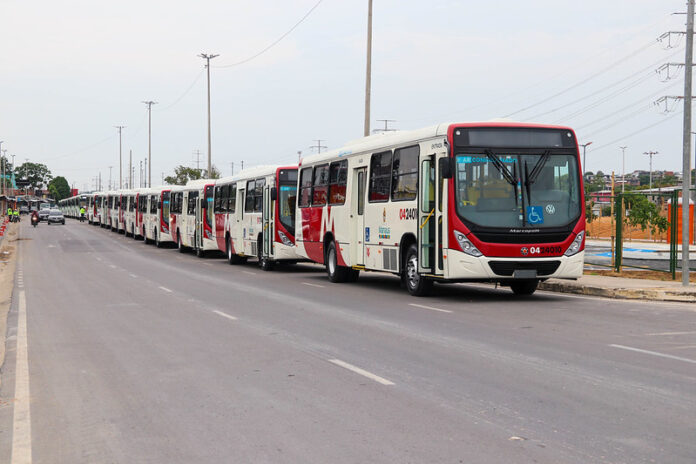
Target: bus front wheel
(416,284)
(524,287)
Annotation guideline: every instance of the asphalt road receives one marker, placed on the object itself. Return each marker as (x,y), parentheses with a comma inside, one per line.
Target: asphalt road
(144,355)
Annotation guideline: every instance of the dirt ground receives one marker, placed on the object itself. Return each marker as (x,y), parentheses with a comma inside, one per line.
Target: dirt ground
(602,228)
(636,274)
(8,260)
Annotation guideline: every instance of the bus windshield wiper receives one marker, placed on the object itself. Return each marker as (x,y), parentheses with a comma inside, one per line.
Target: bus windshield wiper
(501,167)
(537,167)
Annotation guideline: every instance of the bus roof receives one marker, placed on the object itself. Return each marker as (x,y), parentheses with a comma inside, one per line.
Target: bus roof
(256,171)
(377,142)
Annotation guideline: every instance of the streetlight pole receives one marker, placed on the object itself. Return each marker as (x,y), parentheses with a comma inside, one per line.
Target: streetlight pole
(149,140)
(623,169)
(368,71)
(130,170)
(120,158)
(584,150)
(208,57)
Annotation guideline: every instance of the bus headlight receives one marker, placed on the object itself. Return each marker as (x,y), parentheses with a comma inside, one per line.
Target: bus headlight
(575,246)
(285,239)
(466,246)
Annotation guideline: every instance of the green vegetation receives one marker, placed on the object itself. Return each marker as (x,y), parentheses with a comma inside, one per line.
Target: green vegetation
(183,174)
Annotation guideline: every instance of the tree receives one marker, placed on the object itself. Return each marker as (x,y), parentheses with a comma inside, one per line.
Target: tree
(35,174)
(59,188)
(183,174)
(644,213)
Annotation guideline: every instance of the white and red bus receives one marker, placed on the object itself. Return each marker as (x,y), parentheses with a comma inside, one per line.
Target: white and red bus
(495,202)
(190,218)
(93,208)
(255,215)
(156,216)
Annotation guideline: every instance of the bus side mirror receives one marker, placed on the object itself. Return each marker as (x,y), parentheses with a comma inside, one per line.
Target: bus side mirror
(274,194)
(445,167)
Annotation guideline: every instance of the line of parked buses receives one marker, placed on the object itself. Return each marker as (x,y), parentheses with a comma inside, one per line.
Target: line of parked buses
(494,202)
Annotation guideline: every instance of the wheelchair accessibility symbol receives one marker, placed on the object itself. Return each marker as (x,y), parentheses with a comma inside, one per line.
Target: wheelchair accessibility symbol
(535,214)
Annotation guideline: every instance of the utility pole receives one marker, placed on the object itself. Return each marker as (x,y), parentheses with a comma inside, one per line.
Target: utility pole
(140,174)
(686,153)
(130,169)
(149,140)
(198,159)
(584,153)
(242,165)
(232,168)
(2,155)
(299,156)
(318,146)
(146,174)
(368,71)
(120,162)
(207,58)
(110,177)
(650,154)
(623,169)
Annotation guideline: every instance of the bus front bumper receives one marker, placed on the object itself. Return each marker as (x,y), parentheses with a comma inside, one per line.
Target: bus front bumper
(461,266)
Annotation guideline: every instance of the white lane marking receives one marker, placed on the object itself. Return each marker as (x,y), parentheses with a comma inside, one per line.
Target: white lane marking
(112,266)
(51,246)
(165,289)
(220,313)
(133,276)
(362,372)
(312,285)
(654,353)
(97,258)
(21,423)
(250,273)
(673,333)
(429,307)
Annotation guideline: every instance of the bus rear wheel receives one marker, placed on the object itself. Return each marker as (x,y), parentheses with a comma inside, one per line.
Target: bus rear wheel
(524,287)
(179,245)
(416,284)
(232,257)
(335,272)
(264,263)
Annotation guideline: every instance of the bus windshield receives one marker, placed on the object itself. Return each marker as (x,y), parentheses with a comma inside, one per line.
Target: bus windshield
(287,197)
(517,190)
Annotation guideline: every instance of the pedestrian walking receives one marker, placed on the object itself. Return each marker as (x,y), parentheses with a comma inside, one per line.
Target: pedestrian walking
(82,214)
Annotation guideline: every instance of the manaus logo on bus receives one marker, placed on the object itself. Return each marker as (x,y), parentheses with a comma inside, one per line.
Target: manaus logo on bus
(408,213)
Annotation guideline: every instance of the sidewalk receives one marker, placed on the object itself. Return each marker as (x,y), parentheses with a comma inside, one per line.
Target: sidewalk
(620,287)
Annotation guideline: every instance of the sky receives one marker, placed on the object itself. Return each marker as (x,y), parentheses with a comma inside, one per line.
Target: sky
(72,70)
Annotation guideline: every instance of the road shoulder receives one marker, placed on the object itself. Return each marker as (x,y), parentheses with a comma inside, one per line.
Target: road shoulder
(8,261)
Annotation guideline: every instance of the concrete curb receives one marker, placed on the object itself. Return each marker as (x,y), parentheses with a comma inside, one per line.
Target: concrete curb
(652,294)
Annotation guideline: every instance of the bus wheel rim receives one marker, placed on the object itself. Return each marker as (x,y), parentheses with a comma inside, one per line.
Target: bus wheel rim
(332,261)
(412,271)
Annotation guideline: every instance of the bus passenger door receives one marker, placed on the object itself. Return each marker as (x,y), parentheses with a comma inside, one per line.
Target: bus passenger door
(426,215)
(357,215)
(198,233)
(267,222)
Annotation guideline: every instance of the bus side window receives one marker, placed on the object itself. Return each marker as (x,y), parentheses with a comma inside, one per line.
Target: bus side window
(305,196)
(380,177)
(232,198)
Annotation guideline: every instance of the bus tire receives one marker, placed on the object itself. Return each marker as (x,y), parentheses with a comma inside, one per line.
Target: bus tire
(353,275)
(158,243)
(232,257)
(179,245)
(524,287)
(335,272)
(264,263)
(416,284)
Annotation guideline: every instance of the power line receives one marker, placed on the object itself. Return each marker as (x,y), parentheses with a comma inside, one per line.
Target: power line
(642,129)
(585,80)
(273,44)
(186,92)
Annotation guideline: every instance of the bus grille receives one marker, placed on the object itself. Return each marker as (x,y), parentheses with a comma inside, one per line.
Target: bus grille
(507,268)
(389,255)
